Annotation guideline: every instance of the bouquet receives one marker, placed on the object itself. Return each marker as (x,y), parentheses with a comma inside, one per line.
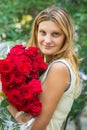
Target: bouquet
(20,72)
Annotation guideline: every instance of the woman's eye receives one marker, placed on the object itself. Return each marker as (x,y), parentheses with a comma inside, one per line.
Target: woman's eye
(55,34)
(42,33)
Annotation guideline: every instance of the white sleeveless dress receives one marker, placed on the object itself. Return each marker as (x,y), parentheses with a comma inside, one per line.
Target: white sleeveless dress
(65,104)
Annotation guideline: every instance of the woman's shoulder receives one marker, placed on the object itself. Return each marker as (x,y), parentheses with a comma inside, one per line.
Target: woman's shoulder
(60,63)
(64,61)
(60,66)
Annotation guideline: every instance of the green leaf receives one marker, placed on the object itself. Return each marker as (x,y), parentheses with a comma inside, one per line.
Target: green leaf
(4,103)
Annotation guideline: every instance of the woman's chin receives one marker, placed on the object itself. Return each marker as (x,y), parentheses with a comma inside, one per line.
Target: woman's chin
(47,53)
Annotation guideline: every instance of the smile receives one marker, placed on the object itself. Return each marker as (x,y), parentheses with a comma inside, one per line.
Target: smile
(48,47)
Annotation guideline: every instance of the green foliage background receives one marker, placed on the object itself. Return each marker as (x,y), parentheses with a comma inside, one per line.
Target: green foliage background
(13,12)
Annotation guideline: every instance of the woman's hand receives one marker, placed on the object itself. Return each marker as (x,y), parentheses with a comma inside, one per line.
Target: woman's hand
(20,117)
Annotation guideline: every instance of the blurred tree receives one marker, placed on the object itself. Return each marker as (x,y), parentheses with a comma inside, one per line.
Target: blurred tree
(12,22)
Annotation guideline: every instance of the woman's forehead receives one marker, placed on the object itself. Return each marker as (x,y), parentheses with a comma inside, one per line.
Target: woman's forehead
(49,25)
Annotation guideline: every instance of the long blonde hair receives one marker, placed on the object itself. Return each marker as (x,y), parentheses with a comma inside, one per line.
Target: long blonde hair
(61,17)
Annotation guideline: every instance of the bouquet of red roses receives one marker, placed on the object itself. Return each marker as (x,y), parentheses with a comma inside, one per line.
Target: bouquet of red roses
(20,72)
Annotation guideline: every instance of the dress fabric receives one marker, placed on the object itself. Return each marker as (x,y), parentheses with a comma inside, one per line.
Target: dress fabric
(65,104)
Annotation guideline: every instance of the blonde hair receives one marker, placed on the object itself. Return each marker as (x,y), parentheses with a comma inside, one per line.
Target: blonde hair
(61,17)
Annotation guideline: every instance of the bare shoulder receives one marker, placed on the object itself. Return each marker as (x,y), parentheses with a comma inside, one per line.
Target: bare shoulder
(59,68)
(59,75)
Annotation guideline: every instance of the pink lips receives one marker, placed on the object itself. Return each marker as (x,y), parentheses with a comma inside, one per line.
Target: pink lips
(48,47)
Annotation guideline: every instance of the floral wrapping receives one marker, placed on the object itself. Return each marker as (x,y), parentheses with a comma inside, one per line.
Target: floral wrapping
(7,122)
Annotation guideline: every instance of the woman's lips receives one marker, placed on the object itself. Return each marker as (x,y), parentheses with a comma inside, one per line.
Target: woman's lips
(48,47)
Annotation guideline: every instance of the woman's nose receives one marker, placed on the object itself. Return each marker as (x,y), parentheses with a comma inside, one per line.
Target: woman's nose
(47,39)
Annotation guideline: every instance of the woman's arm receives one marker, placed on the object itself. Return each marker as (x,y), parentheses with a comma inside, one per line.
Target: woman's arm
(20,117)
(54,86)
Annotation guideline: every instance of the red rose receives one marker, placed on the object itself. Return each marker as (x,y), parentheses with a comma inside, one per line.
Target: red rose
(17,50)
(15,98)
(6,66)
(35,85)
(35,65)
(41,64)
(24,59)
(26,91)
(13,59)
(35,107)
(25,68)
(6,79)
(6,89)
(32,51)
(25,106)
(18,77)
(34,75)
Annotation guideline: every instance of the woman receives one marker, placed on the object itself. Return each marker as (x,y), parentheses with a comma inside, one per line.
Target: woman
(52,33)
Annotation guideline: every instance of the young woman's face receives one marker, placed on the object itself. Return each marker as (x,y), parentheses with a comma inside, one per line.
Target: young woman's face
(50,38)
